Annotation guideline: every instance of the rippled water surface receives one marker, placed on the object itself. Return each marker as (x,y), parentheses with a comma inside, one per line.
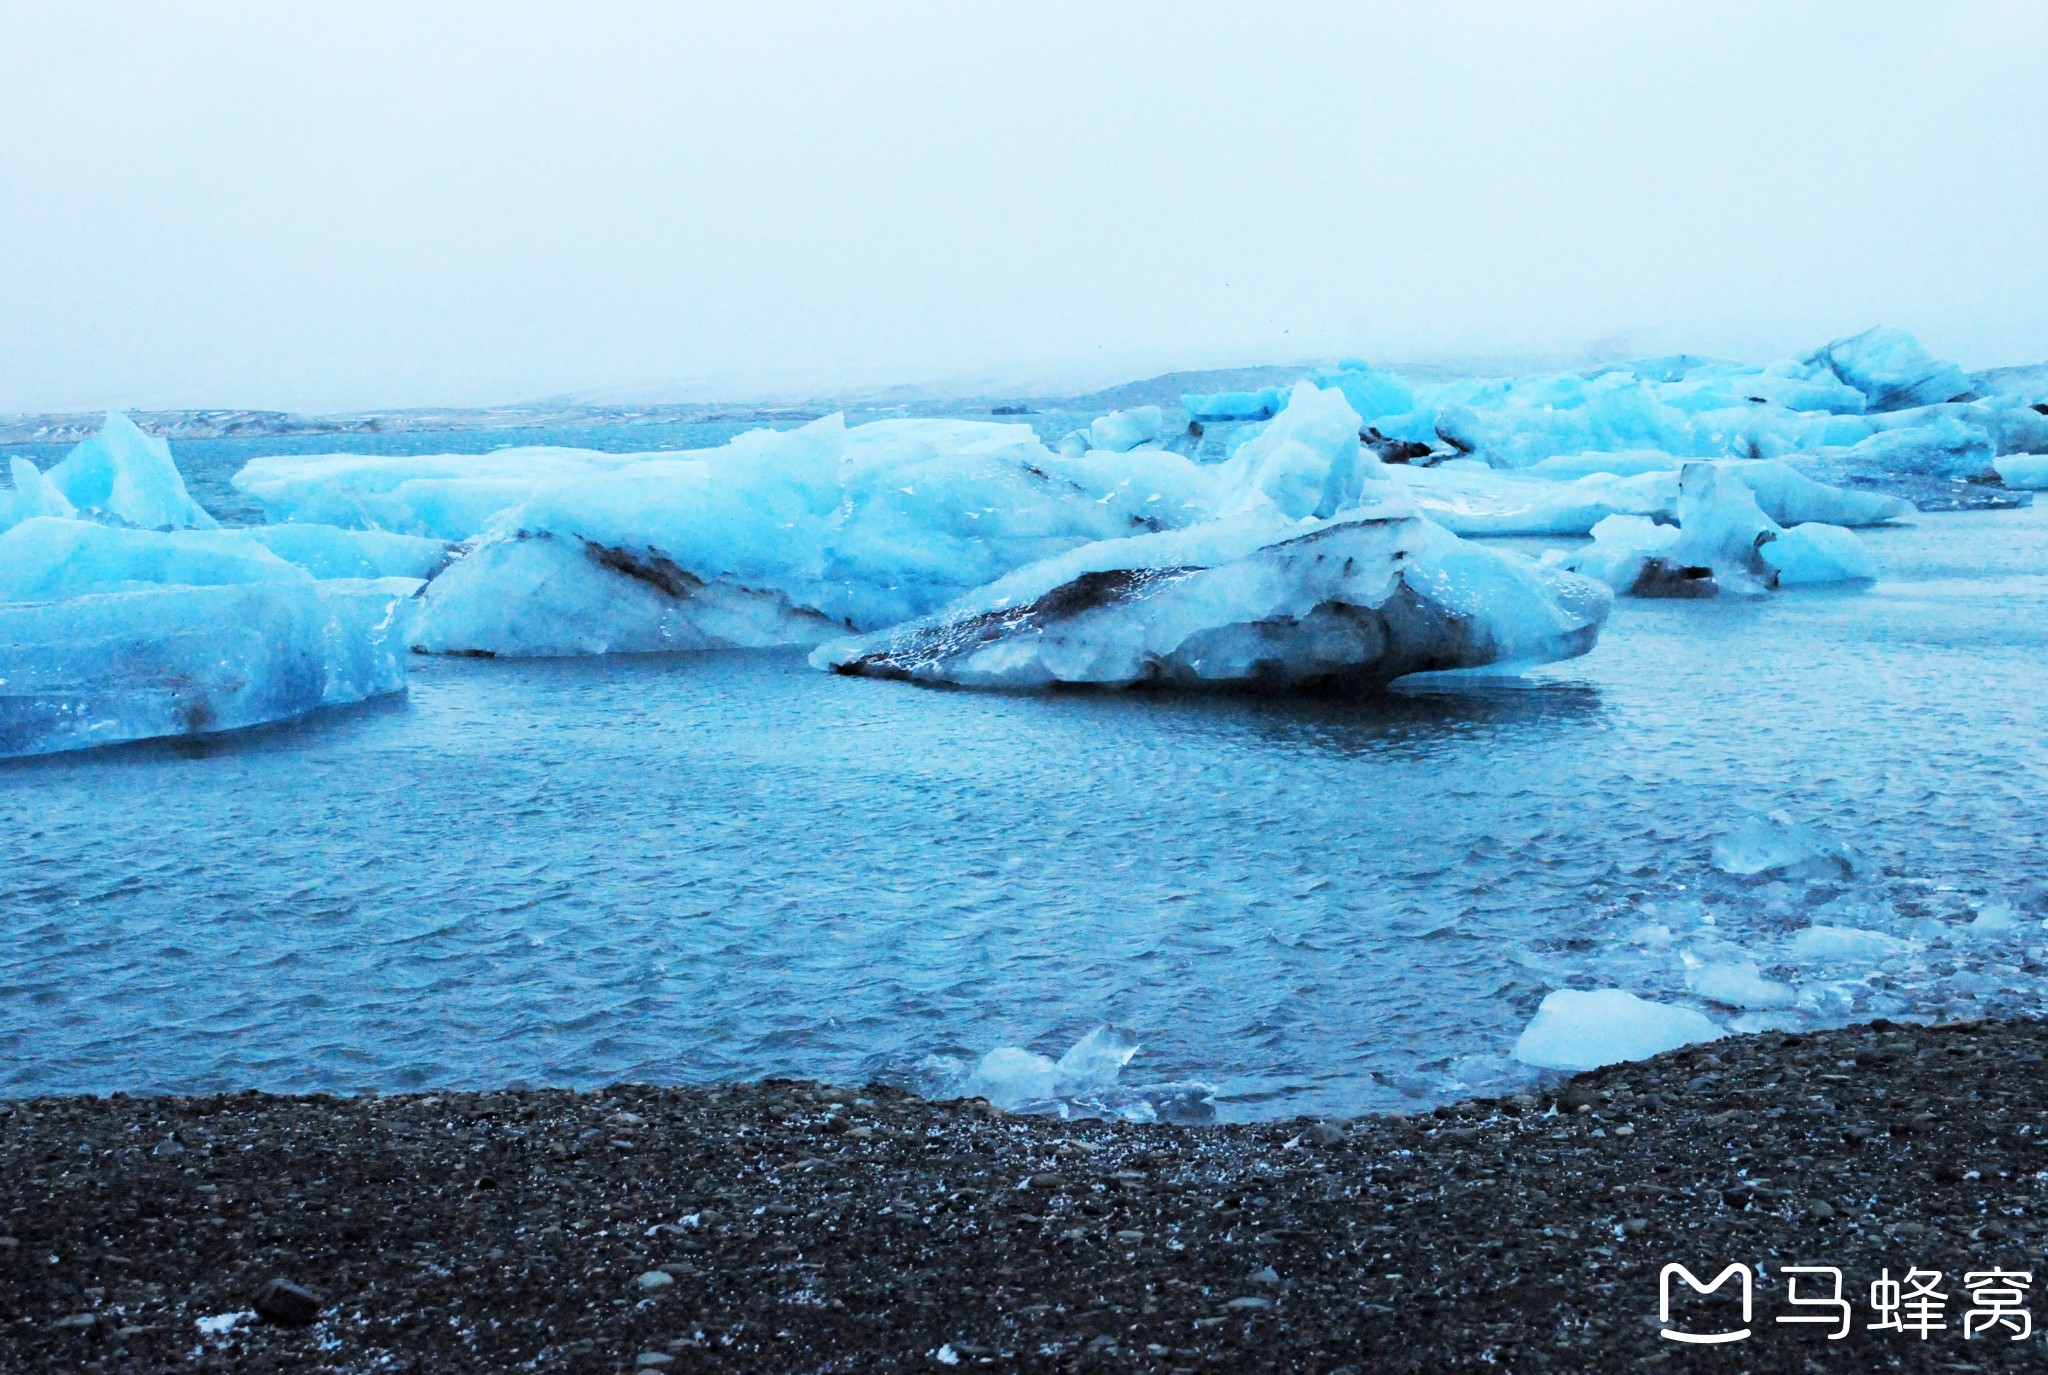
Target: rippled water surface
(697,867)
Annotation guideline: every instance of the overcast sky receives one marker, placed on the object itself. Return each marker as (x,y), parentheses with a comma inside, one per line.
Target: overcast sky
(319,208)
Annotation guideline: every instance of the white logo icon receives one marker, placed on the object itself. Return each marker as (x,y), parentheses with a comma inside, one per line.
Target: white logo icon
(1736,1271)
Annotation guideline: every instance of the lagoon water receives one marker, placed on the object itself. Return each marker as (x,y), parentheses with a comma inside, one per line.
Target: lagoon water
(696,867)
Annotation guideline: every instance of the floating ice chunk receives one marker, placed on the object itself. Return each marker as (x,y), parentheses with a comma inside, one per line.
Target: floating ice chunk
(856,527)
(1256,602)
(1307,462)
(1474,500)
(1575,1030)
(1844,945)
(1789,497)
(123,474)
(1774,846)
(2028,383)
(1892,371)
(1371,393)
(32,495)
(1808,554)
(1120,431)
(1995,920)
(47,559)
(1625,548)
(1469,499)
(543,595)
(188,660)
(1721,527)
(1624,463)
(1944,447)
(1235,405)
(2024,471)
(327,551)
(1739,984)
(439,496)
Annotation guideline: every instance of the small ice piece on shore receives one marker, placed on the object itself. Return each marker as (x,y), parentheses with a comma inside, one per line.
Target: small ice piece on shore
(1739,984)
(1010,1075)
(1844,944)
(1580,1030)
(123,474)
(1775,846)
(1255,602)
(1096,1059)
(220,1324)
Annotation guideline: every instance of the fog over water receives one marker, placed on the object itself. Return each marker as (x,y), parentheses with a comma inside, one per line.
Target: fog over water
(378,205)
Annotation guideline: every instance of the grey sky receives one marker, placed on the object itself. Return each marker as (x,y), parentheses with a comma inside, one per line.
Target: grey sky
(357,205)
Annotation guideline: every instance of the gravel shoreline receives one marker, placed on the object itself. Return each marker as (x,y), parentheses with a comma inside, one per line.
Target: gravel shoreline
(790,1226)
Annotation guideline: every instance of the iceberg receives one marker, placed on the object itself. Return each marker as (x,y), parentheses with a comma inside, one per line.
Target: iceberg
(806,532)
(326,551)
(121,474)
(2027,472)
(1813,554)
(541,595)
(436,496)
(1891,370)
(1574,1030)
(1572,497)
(108,667)
(1307,462)
(1121,431)
(1256,602)
(32,495)
(1944,447)
(47,558)
(1722,540)
(1216,407)
(1370,392)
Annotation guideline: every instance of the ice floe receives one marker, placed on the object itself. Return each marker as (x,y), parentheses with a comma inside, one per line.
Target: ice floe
(125,475)
(186,660)
(1257,601)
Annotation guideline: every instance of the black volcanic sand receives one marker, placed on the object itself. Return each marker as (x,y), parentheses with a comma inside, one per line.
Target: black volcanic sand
(804,1228)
